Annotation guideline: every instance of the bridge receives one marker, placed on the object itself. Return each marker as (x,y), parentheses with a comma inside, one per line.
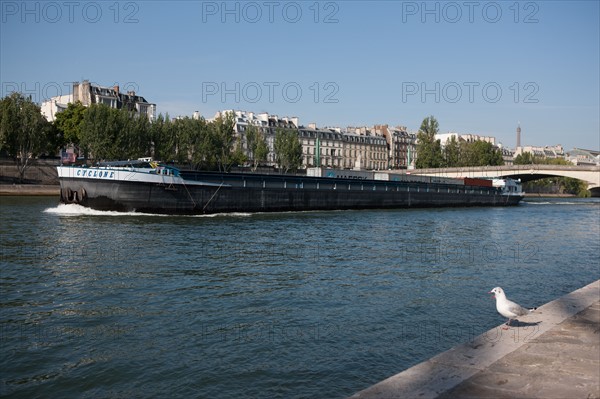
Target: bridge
(589,174)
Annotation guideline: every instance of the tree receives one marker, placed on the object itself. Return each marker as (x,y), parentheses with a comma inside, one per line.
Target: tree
(187,137)
(223,139)
(476,153)
(575,187)
(100,129)
(200,144)
(162,139)
(24,132)
(109,133)
(288,150)
(493,155)
(238,156)
(525,158)
(452,153)
(257,146)
(134,140)
(196,143)
(480,153)
(429,150)
(68,122)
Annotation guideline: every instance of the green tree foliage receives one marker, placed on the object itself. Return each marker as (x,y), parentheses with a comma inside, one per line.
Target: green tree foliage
(223,142)
(526,158)
(134,140)
(288,150)
(429,150)
(99,131)
(24,132)
(190,135)
(478,153)
(430,153)
(105,133)
(257,146)
(69,121)
(575,187)
(162,137)
(108,133)
(452,152)
(196,143)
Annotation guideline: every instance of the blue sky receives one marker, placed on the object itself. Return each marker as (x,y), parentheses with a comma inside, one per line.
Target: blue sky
(478,67)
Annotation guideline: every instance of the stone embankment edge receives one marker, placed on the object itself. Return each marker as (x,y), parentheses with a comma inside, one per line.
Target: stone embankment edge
(29,189)
(432,377)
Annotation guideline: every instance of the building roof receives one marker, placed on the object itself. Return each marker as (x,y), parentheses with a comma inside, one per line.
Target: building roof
(581,151)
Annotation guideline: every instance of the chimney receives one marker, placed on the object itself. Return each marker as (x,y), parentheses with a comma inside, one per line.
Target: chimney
(116,88)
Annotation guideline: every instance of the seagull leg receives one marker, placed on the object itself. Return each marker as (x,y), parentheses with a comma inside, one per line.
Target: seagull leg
(508,324)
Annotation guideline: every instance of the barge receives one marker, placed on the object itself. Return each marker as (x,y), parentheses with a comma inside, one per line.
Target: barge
(150,187)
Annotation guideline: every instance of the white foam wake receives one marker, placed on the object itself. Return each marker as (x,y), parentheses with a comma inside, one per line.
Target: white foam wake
(78,210)
(561,202)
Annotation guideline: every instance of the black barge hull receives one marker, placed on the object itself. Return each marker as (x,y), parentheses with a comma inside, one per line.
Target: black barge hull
(272,193)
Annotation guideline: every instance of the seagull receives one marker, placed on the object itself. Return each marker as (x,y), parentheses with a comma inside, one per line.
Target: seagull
(508,308)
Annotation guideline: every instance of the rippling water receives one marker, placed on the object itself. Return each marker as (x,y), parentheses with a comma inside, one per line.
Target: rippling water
(290,305)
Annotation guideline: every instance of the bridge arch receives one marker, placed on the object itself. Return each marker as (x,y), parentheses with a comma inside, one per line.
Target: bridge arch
(589,174)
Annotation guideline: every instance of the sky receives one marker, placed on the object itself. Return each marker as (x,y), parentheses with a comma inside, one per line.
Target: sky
(477,67)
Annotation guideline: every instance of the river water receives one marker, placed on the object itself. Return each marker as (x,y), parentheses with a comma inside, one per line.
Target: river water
(288,305)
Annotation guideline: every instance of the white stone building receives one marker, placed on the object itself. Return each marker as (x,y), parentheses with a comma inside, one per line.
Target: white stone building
(54,105)
(88,93)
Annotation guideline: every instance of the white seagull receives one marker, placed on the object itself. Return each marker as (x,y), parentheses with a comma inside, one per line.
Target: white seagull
(507,308)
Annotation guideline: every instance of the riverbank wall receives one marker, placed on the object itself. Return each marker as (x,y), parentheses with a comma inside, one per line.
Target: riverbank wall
(551,353)
(41,172)
(29,190)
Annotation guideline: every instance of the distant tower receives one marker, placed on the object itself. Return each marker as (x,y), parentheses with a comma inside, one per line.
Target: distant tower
(519,135)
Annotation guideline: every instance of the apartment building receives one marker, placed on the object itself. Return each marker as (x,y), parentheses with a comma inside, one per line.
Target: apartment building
(88,93)
(377,148)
